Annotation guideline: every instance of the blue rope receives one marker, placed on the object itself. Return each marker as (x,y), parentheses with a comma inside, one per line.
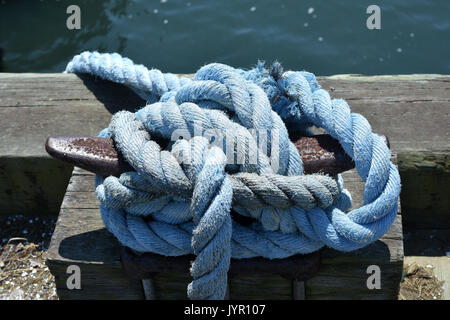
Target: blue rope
(178,200)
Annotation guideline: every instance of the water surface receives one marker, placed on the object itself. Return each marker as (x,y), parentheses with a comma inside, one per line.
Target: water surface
(324,37)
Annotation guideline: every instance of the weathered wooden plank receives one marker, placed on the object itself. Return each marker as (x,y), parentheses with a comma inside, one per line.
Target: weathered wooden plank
(98,282)
(172,286)
(412,110)
(260,287)
(426,242)
(426,179)
(33,185)
(35,106)
(81,239)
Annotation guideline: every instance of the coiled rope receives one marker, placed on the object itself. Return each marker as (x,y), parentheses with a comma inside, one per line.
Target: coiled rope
(179,199)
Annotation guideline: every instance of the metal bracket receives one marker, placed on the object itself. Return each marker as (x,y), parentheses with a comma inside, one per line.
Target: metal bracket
(297,269)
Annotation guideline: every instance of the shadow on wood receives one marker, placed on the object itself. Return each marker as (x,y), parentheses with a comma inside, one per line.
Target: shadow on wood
(85,247)
(123,99)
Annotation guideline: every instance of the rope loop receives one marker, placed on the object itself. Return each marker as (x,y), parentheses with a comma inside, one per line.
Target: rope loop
(228,153)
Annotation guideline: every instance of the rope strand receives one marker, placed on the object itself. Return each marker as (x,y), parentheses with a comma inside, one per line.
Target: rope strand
(178,200)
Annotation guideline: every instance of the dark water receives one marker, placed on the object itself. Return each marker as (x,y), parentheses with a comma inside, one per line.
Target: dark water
(180,36)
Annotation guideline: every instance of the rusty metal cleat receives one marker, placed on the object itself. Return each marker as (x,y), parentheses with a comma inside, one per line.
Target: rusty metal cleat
(320,154)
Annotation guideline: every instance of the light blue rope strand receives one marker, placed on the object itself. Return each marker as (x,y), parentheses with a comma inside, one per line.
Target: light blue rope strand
(258,98)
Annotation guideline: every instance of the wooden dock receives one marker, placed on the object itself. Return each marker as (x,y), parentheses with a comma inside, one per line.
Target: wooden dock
(412,110)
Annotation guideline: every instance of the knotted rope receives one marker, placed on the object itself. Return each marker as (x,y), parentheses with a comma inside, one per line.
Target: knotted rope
(180,197)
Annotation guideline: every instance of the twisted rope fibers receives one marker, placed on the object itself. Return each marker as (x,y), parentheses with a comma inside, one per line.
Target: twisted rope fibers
(178,200)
